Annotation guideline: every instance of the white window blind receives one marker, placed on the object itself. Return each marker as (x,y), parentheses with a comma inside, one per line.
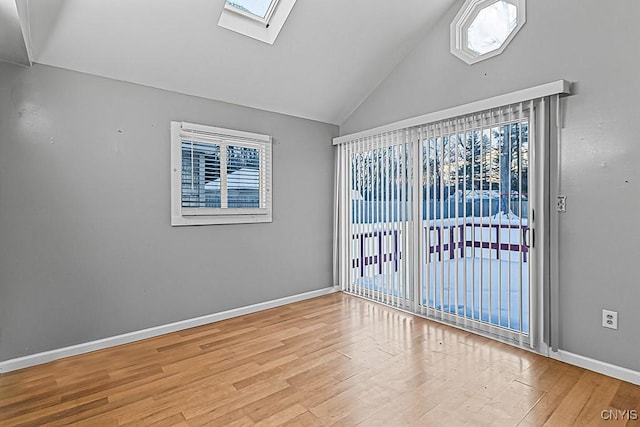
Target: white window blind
(434,214)
(219,175)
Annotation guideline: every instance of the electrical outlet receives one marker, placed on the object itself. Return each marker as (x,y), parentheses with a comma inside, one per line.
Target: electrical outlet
(562,203)
(610,319)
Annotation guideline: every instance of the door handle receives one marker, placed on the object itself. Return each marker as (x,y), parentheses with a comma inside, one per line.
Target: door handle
(528,237)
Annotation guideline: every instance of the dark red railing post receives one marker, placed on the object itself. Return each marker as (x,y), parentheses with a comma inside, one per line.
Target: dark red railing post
(362,256)
(498,241)
(396,253)
(452,245)
(381,256)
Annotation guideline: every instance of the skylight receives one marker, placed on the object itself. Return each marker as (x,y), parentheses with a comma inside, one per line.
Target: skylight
(260,9)
(259,19)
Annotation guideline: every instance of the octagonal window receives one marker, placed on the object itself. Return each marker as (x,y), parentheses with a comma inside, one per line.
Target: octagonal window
(483,28)
(491,27)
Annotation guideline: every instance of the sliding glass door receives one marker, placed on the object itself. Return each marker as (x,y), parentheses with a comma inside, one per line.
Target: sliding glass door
(437,220)
(381,225)
(475,252)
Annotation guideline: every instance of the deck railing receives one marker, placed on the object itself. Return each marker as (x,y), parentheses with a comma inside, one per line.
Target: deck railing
(474,234)
(380,257)
(446,242)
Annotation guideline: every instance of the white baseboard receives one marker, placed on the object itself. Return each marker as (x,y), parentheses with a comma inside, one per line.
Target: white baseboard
(49,356)
(604,368)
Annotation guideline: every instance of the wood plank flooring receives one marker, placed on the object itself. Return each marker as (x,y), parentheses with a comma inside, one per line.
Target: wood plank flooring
(333,360)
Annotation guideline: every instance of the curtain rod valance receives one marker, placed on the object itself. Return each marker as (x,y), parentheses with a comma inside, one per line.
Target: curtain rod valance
(559,87)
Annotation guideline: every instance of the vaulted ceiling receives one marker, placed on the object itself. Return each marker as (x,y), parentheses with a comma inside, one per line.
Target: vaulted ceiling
(329,56)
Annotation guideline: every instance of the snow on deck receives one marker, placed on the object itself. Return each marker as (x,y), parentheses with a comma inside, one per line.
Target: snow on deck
(487,290)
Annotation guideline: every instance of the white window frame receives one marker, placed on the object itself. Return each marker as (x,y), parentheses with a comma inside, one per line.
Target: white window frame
(264,29)
(223,137)
(463,20)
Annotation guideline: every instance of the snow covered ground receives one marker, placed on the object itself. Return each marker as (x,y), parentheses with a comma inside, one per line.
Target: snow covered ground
(483,289)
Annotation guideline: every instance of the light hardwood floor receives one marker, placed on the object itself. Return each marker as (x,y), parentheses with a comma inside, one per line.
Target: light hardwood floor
(335,359)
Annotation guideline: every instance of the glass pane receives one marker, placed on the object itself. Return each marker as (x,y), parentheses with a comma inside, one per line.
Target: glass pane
(243,177)
(475,204)
(380,207)
(491,27)
(258,8)
(200,175)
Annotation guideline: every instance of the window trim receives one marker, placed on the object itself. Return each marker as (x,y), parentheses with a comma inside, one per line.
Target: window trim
(466,15)
(264,30)
(215,135)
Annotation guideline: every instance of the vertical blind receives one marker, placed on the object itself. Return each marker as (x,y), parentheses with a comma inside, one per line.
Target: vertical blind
(435,217)
(375,218)
(474,176)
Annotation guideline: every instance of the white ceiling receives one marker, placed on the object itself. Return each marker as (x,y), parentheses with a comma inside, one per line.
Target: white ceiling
(329,56)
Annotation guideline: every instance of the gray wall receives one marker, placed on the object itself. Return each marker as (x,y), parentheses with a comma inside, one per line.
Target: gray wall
(86,249)
(594,44)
